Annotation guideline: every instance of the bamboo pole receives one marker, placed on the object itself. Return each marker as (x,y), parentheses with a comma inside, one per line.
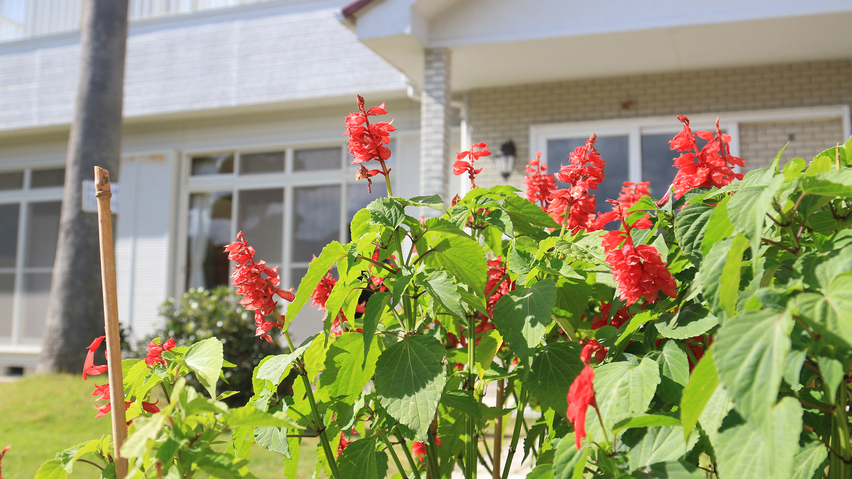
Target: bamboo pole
(113,340)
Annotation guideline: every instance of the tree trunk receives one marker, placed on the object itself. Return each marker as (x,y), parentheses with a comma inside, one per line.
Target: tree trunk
(75,309)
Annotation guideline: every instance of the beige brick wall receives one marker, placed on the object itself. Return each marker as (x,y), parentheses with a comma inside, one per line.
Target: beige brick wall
(760,142)
(498,114)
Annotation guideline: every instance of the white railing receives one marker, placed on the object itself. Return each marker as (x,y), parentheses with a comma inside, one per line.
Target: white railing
(45,17)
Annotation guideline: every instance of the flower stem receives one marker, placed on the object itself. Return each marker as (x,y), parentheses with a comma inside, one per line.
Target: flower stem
(565,220)
(414,469)
(393,453)
(516,433)
(839,466)
(472,446)
(320,424)
(386,174)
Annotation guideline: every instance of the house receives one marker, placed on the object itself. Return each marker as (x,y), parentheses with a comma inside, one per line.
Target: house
(234,116)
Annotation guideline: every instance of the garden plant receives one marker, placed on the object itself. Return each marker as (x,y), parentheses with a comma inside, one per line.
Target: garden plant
(707,333)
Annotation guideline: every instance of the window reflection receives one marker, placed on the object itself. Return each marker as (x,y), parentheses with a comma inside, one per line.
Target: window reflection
(209,230)
(261,219)
(316,220)
(613,149)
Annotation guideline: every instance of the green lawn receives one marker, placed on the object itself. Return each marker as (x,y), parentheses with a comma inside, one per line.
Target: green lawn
(42,415)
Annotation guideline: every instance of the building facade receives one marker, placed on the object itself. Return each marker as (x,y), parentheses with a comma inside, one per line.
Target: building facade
(234,116)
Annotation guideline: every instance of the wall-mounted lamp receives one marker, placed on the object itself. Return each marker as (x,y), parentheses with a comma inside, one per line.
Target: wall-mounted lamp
(506,159)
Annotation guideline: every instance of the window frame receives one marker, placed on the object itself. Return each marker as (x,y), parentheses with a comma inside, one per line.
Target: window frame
(24,197)
(287,180)
(634,128)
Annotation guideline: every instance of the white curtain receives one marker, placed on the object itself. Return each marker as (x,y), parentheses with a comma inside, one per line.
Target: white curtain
(200,208)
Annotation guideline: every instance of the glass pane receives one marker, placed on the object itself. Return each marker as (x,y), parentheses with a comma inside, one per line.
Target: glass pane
(49,178)
(316,221)
(309,320)
(358,198)
(261,219)
(212,165)
(317,159)
(13,180)
(613,150)
(658,162)
(208,231)
(272,161)
(8,234)
(42,233)
(7,291)
(34,310)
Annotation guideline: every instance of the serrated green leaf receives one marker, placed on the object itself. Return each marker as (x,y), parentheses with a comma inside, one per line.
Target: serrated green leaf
(702,384)
(372,314)
(655,444)
(541,471)
(829,183)
(522,317)
(220,465)
(810,461)
(745,450)
(360,460)
(645,420)
(690,226)
(441,288)
(747,209)
(624,389)
(720,274)
(458,256)
(205,359)
(635,322)
(568,461)
(386,212)
(463,401)
(679,469)
(718,227)
(830,314)
(486,349)
(674,372)
(715,411)
(431,201)
(410,377)
(51,469)
(291,467)
(553,369)
(347,369)
(360,224)
(691,321)
(527,217)
(317,270)
(273,439)
(750,352)
(274,369)
(145,430)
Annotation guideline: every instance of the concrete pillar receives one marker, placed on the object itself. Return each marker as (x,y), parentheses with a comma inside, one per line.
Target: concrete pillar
(435,168)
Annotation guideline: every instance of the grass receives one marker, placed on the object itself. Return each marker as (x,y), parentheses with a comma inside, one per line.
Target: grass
(45,414)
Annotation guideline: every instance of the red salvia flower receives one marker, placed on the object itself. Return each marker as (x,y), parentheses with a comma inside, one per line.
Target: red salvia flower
(585,167)
(498,284)
(257,291)
(709,167)
(592,347)
(581,395)
(155,352)
(106,408)
(3,453)
(465,159)
(89,368)
(632,192)
(584,171)
(342,444)
(103,392)
(621,316)
(539,184)
(323,291)
(418,449)
(151,407)
(367,142)
(638,270)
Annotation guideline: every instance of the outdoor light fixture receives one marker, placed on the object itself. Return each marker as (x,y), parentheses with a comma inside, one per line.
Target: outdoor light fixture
(506,159)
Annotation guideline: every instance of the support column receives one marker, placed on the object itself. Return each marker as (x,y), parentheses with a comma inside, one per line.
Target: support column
(435,167)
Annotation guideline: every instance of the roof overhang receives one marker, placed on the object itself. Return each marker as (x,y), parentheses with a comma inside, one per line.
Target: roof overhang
(505,42)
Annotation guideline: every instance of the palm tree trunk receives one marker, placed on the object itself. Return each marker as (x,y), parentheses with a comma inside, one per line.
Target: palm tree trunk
(75,308)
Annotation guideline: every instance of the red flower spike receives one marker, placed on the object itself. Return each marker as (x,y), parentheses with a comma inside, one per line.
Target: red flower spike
(323,291)
(581,395)
(151,407)
(539,184)
(592,347)
(106,408)
(465,159)
(367,142)
(342,445)
(584,172)
(3,453)
(418,449)
(89,368)
(155,352)
(710,167)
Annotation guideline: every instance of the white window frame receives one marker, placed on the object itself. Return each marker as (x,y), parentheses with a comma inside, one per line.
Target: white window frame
(24,197)
(634,128)
(288,179)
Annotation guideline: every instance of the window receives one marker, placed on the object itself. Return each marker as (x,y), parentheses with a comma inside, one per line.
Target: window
(30,203)
(289,203)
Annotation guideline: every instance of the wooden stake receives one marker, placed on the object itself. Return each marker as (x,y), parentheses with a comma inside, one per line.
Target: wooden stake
(113,340)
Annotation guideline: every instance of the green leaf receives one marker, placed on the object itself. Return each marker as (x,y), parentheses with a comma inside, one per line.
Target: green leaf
(679,469)
(527,217)
(719,226)
(372,314)
(441,288)
(360,224)
(674,372)
(317,270)
(691,321)
(387,212)
(572,297)
(291,467)
(522,317)
(750,351)
(568,461)
(810,461)
(205,359)
(431,201)
(830,314)
(486,349)
(635,322)
(830,183)
(274,368)
(145,430)
(647,420)
(625,389)
(361,461)
(220,465)
(690,226)
(347,368)
(463,401)
(696,394)
(51,469)
(745,450)
(715,411)
(70,455)
(459,256)
(410,376)
(645,203)
(553,369)
(747,209)
(656,444)
(720,274)
(541,471)
(273,439)
(254,417)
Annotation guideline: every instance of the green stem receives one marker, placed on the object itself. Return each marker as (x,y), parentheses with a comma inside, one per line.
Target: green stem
(840,437)
(472,446)
(516,433)
(392,453)
(414,468)
(432,455)
(387,177)
(320,424)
